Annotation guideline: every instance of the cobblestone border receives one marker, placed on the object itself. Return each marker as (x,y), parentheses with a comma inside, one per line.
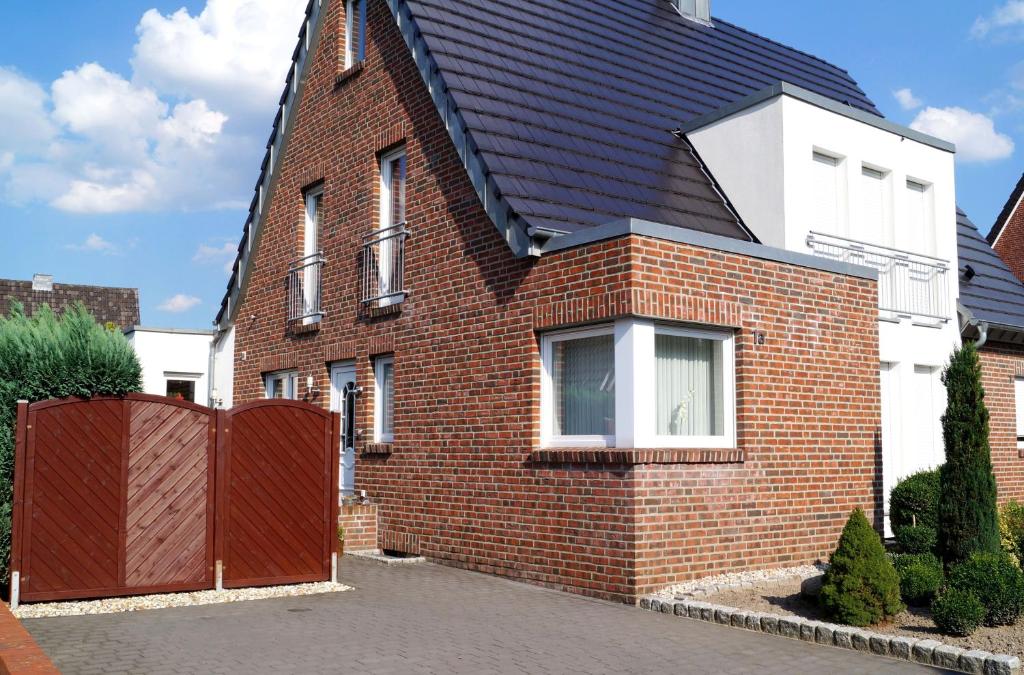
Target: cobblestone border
(925,652)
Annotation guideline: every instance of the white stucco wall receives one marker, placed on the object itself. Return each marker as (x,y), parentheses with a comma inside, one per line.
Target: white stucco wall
(173,355)
(224,368)
(763,159)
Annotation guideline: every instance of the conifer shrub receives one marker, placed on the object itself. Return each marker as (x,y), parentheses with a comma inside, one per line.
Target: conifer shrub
(861,586)
(921,577)
(996,582)
(968,519)
(915,501)
(957,612)
(45,357)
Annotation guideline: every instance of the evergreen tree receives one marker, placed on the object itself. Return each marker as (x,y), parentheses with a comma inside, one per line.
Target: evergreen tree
(968,517)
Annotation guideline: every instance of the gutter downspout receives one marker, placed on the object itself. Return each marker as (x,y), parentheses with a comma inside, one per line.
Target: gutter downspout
(211,384)
(983,338)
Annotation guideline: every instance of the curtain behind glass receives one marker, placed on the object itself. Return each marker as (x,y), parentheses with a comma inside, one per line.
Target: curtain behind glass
(688,376)
(584,386)
(387,387)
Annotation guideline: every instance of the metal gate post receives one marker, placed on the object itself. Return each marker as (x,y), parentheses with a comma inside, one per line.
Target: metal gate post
(17,511)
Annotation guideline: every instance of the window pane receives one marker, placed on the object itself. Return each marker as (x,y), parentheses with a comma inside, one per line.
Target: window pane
(583,375)
(690,386)
(277,387)
(397,170)
(387,389)
(182,390)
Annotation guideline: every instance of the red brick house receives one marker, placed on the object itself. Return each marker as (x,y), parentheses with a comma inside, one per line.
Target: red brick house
(563,355)
(1007,233)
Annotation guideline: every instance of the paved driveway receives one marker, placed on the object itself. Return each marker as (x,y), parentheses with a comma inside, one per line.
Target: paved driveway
(427,619)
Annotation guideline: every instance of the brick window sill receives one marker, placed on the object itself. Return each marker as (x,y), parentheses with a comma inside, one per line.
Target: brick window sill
(347,74)
(636,456)
(377,449)
(299,328)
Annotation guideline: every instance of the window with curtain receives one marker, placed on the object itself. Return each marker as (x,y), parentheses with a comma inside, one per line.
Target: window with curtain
(918,228)
(825,193)
(355,30)
(872,207)
(690,391)
(384,400)
(583,382)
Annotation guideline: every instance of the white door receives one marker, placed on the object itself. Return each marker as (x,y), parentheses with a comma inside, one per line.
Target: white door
(343,400)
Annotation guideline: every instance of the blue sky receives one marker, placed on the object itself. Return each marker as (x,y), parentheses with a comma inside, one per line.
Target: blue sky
(131,132)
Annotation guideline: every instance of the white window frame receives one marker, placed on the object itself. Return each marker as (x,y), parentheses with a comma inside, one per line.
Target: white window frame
(311,247)
(378,399)
(635,390)
(1018,395)
(548,437)
(291,384)
(385,252)
(355,15)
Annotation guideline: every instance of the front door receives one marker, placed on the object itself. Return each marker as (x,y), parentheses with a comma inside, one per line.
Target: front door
(343,400)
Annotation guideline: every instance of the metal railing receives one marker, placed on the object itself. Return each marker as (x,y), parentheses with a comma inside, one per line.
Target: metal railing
(384,267)
(305,288)
(910,285)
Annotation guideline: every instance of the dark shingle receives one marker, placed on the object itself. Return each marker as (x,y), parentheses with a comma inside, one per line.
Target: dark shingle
(994,294)
(572,103)
(119,306)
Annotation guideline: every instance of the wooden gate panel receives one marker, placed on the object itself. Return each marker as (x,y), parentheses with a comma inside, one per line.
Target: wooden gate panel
(278,489)
(169,526)
(72,499)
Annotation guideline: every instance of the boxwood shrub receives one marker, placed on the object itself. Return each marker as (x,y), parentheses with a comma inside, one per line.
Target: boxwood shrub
(921,577)
(915,501)
(957,612)
(996,581)
(919,539)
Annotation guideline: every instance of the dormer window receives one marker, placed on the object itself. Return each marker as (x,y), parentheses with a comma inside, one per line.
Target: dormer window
(696,10)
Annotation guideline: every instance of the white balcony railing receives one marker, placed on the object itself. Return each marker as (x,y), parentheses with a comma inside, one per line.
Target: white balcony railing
(305,288)
(910,285)
(384,267)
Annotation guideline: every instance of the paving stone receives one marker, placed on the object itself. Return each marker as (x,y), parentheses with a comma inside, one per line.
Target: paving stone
(739,619)
(947,656)
(807,630)
(842,636)
(770,624)
(753,621)
(901,647)
(790,627)
(723,615)
(428,619)
(1001,664)
(879,644)
(861,640)
(824,633)
(922,652)
(682,609)
(973,661)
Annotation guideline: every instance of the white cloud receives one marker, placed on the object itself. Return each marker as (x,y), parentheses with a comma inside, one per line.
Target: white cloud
(217,255)
(185,130)
(1001,22)
(179,303)
(973,133)
(94,243)
(905,97)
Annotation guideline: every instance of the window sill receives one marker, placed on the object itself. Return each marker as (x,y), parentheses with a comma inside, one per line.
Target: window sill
(377,449)
(347,74)
(300,328)
(637,456)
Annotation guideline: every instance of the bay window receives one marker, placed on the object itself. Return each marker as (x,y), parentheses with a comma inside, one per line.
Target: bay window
(638,384)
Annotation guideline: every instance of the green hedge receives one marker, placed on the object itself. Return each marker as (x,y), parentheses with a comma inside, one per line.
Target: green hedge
(915,501)
(45,357)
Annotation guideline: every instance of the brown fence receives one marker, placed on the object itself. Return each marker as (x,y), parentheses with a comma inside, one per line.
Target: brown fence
(146,494)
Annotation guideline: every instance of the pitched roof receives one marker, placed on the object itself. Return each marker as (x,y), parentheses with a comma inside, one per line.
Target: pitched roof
(1008,209)
(119,306)
(571,103)
(994,295)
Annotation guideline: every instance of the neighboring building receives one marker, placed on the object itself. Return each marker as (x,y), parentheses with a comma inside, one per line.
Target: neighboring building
(1007,233)
(175,362)
(572,346)
(117,306)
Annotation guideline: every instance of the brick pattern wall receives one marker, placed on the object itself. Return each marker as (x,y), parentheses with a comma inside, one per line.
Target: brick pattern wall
(462,482)
(1000,366)
(119,306)
(1010,245)
(360,523)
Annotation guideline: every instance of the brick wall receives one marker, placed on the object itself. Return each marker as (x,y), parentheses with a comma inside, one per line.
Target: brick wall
(464,481)
(360,523)
(1010,245)
(1000,366)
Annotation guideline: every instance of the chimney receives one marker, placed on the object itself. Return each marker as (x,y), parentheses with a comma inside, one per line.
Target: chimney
(695,10)
(42,282)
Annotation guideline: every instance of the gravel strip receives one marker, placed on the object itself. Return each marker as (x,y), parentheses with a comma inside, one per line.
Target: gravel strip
(748,579)
(142,602)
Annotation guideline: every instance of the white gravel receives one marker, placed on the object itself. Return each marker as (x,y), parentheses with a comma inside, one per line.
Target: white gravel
(142,602)
(747,579)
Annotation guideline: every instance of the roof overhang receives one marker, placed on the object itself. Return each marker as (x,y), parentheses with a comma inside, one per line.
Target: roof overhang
(973,328)
(645,228)
(819,101)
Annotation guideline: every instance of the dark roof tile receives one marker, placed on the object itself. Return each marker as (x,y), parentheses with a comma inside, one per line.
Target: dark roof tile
(994,294)
(119,306)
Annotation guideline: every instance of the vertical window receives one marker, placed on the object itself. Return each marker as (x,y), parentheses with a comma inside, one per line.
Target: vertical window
(919,229)
(393,176)
(825,193)
(283,385)
(390,275)
(690,394)
(1018,390)
(583,385)
(384,400)
(310,265)
(927,410)
(872,207)
(355,31)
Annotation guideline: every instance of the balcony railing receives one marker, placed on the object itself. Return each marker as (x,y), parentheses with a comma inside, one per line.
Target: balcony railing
(384,267)
(910,285)
(305,288)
